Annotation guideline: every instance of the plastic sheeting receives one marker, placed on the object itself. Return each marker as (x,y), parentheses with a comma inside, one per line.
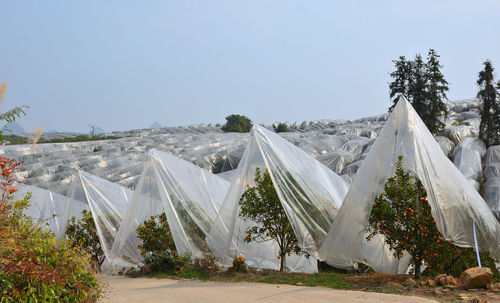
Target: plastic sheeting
(189,195)
(337,159)
(446,145)
(492,155)
(106,201)
(467,157)
(309,192)
(458,133)
(492,195)
(455,204)
(46,207)
(491,171)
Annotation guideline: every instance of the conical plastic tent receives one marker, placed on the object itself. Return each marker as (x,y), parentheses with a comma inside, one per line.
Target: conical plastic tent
(189,195)
(45,208)
(455,204)
(309,192)
(107,201)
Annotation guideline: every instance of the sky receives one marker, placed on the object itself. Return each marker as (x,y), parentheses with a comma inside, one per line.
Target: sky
(124,64)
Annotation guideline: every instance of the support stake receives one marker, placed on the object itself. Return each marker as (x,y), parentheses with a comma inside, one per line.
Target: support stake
(475,242)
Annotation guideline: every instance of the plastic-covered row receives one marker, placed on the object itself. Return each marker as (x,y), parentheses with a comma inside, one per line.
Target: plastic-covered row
(190,197)
(455,203)
(309,192)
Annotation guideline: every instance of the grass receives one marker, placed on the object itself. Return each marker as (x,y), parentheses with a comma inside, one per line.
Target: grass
(330,280)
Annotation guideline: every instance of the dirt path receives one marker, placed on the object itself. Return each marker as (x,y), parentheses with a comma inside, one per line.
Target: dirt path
(123,289)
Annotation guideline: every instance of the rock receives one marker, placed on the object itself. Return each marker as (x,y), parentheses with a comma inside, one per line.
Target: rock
(450,280)
(494,286)
(440,279)
(438,291)
(450,287)
(464,297)
(244,268)
(299,284)
(392,284)
(238,260)
(409,282)
(445,290)
(431,283)
(476,277)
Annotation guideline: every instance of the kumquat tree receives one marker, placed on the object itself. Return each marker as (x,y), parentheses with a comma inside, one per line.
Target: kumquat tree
(261,205)
(403,215)
(82,233)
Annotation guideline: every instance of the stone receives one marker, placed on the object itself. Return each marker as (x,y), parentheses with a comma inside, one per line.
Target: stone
(431,283)
(450,280)
(438,291)
(464,297)
(392,284)
(409,282)
(476,277)
(440,279)
(450,287)
(494,286)
(299,284)
(445,290)
(238,260)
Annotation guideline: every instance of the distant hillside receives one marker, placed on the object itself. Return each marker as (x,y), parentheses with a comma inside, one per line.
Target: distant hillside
(14,127)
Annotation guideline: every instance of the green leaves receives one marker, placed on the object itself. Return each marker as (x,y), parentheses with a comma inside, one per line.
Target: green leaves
(83,234)
(261,204)
(403,215)
(237,123)
(155,236)
(423,84)
(11,116)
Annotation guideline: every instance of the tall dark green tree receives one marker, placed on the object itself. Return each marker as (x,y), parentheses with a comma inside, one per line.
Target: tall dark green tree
(489,129)
(417,91)
(424,85)
(402,80)
(437,86)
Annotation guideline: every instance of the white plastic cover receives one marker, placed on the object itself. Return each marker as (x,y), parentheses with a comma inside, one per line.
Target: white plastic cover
(467,157)
(189,195)
(493,155)
(337,159)
(46,207)
(455,204)
(491,171)
(492,195)
(106,201)
(309,192)
(446,145)
(458,133)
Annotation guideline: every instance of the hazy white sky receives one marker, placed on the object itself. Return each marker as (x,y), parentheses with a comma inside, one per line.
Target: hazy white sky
(125,64)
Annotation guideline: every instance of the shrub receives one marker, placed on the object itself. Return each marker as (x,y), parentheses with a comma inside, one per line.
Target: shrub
(238,124)
(155,236)
(34,267)
(281,128)
(403,215)
(158,247)
(82,234)
(262,205)
(453,260)
(207,264)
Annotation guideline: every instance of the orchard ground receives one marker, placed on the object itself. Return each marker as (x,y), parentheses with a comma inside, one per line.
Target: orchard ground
(286,287)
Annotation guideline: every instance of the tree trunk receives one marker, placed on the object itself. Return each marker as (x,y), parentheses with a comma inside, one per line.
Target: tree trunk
(418,264)
(282,265)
